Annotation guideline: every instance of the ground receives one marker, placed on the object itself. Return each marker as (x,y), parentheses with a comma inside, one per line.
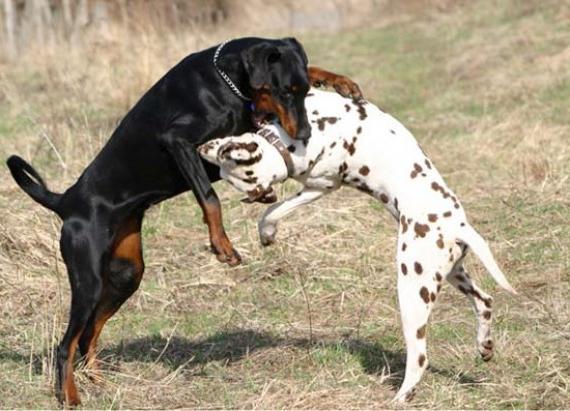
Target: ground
(311,322)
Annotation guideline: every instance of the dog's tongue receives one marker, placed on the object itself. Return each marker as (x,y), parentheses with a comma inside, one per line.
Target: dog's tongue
(257,119)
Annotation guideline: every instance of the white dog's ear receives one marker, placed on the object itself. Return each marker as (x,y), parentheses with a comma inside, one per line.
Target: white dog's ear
(209,151)
(239,153)
(230,152)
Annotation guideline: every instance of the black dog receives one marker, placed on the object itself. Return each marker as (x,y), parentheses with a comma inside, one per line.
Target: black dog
(152,156)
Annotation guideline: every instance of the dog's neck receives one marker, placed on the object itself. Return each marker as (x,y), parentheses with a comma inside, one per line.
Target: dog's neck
(297,149)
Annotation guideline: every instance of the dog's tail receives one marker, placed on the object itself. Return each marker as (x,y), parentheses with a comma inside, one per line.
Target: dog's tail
(35,188)
(473,239)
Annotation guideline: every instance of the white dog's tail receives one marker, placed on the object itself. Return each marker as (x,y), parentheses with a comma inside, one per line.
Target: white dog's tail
(473,239)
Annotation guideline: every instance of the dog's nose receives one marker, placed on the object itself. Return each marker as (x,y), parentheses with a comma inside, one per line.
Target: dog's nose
(304,133)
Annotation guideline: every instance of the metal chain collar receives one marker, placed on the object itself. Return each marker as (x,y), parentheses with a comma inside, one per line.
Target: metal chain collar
(222,73)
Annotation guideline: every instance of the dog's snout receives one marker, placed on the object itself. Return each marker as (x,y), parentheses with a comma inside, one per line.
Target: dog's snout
(304,133)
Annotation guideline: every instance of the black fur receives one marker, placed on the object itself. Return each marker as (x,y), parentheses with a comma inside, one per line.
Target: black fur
(150,157)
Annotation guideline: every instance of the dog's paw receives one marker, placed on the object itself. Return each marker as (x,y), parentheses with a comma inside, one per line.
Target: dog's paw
(267,234)
(486,349)
(347,88)
(404,397)
(232,259)
(227,255)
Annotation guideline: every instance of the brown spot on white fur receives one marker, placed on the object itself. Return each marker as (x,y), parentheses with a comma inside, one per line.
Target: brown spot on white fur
(349,147)
(360,108)
(321,122)
(424,293)
(418,268)
(417,169)
(421,333)
(440,242)
(421,229)
(422,360)
(403,224)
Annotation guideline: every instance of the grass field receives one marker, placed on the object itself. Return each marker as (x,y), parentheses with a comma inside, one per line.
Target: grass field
(311,322)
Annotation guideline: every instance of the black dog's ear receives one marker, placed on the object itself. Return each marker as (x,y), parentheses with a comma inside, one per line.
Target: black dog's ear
(299,48)
(257,60)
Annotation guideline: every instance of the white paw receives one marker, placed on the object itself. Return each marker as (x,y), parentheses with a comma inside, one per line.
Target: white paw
(486,349)
(403,397)
(267,234)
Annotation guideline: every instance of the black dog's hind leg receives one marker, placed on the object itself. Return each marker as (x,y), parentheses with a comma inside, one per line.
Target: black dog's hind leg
(192,169)
(82,252)
(121,278)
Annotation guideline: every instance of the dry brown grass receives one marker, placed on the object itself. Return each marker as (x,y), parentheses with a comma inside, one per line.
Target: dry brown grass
(311,322)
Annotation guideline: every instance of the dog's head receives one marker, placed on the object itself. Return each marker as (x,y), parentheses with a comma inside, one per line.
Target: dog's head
(277,71)
(249,163)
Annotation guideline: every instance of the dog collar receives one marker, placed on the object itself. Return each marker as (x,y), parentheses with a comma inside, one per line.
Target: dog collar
(223,74)
(276,142)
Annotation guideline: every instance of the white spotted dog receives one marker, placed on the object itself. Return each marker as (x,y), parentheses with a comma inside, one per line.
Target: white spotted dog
(356,144)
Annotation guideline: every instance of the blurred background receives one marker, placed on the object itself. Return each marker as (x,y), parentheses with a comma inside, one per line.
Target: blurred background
(46,23)
(311,322)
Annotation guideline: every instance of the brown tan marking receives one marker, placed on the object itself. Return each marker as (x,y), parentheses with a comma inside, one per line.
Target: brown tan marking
(264,102)
(221,244)
(343,85)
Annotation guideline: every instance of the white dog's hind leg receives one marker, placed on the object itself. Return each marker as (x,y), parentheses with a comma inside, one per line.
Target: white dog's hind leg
(267,225)
(481,303)
(420,268)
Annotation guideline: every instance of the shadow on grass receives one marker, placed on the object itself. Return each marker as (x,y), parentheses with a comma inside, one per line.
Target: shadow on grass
(232,346)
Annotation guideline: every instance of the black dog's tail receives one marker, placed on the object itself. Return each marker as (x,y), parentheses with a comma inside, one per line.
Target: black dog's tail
(36,188)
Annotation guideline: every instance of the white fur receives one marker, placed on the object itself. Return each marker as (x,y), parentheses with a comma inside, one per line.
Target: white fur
(357,144)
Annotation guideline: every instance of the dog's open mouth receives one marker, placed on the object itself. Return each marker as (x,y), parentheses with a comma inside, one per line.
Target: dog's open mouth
(260,118)
(261,195)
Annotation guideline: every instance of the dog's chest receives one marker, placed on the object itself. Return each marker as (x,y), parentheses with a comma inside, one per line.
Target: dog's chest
(335,129)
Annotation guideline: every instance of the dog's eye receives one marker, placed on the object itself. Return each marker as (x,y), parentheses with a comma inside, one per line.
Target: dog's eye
(287,94)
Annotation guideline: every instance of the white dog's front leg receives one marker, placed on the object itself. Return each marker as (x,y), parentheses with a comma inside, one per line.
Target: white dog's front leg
(267,225)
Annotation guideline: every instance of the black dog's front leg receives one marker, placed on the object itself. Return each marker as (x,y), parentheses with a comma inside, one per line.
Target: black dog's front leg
(192,169)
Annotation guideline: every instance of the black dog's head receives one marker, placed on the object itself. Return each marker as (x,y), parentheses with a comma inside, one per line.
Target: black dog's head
(277,71)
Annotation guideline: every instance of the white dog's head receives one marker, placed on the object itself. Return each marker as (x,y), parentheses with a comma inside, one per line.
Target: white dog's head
(248,162)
